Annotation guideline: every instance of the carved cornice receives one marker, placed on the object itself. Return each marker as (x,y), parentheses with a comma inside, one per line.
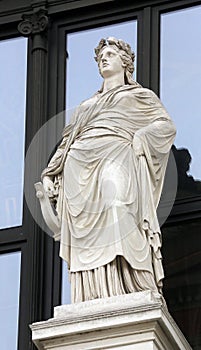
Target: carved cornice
(33,23)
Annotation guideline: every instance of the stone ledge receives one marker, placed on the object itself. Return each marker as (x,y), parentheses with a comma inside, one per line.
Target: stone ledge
(137,321)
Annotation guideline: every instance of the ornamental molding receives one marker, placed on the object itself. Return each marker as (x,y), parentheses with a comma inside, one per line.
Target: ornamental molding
(33,23)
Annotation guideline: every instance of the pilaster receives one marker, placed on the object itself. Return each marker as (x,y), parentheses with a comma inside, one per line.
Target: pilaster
(34,26)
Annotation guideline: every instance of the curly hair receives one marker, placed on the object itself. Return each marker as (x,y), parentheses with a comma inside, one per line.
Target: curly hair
(126,54)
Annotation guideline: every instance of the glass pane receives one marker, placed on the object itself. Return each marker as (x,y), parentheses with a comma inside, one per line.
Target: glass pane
(180,92)
(65,290)
(13,55)
(9,299)
(83,78)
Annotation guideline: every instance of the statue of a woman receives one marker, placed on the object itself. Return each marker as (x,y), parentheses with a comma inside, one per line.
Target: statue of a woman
(106,179)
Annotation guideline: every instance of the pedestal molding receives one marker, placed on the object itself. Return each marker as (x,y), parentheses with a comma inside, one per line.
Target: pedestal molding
(112,323)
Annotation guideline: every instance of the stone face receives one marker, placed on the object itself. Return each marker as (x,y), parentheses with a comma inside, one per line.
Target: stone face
(138,321)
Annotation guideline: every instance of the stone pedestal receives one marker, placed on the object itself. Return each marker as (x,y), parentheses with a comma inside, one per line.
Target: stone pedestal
(138,321)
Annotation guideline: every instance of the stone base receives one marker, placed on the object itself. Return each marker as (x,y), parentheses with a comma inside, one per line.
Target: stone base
(138,321)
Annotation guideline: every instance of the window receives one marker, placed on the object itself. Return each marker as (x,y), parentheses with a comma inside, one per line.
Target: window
(180,91)
(9,299)
(13,69)
(13,55)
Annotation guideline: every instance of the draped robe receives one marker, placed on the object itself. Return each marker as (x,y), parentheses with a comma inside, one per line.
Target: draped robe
(108,193)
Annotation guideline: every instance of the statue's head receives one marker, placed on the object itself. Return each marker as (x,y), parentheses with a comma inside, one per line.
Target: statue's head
(126,54)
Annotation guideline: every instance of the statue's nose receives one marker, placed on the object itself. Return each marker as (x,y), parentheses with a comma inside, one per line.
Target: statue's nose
(103,59)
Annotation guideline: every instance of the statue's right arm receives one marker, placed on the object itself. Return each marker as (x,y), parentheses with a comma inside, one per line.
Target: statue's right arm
(53,165)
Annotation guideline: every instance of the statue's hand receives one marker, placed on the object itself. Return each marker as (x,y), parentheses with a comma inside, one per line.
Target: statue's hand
(48,186)
(137,146)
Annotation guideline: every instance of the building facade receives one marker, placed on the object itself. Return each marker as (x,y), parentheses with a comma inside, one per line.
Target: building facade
(42,48)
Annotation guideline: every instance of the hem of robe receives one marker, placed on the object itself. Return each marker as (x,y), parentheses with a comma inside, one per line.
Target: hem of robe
(156,266)
(109,260)
(114,278)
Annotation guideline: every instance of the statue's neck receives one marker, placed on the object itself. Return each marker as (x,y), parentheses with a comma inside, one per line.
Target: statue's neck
(112,82)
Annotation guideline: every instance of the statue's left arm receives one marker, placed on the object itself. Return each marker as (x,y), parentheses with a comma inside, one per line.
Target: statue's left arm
(156,136)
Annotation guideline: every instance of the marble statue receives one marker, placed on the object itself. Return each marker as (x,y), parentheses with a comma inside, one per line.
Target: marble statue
(105,181)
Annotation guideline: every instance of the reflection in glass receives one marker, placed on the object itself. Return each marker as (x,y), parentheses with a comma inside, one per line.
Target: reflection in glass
(180,91)
(182,285)
(13,54)
(83,79)
(9,299)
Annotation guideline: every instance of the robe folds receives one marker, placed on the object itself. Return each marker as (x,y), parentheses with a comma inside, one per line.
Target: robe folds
(108,190)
